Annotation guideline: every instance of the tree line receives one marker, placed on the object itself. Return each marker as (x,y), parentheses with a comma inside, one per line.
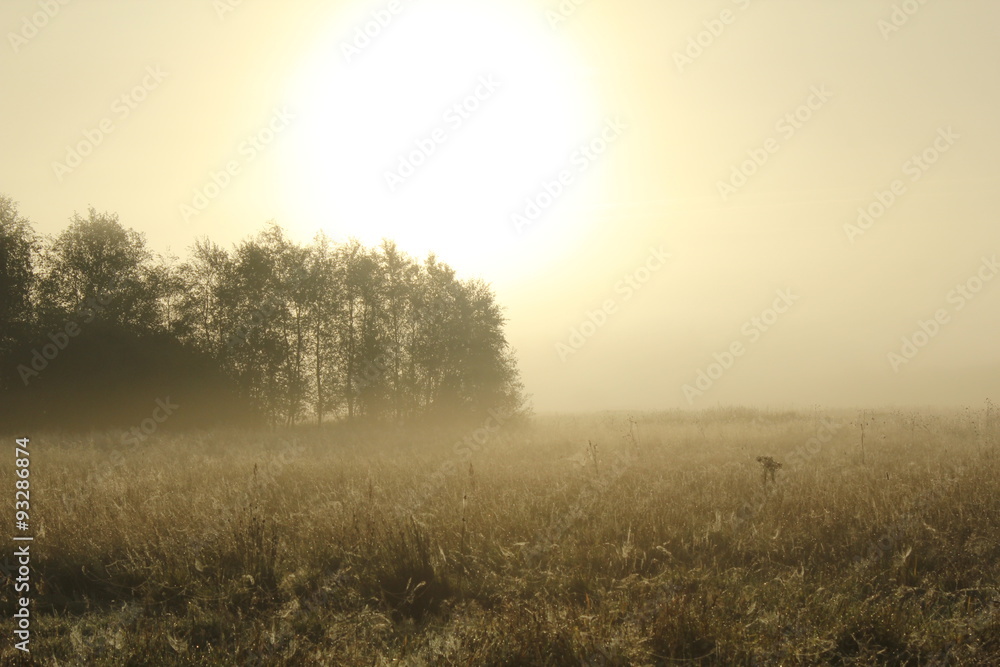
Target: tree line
(91,320)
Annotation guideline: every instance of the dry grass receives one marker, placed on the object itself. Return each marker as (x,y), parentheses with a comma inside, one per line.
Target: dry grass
(569,541)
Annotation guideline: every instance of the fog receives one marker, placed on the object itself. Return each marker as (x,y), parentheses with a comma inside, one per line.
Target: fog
(777,203)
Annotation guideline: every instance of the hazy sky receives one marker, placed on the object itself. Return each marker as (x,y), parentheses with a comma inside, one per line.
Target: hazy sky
(560,155)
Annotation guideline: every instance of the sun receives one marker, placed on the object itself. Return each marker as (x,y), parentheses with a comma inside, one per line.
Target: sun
(437,126)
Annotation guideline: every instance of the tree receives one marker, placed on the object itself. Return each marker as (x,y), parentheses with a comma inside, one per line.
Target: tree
(96,258)
(252,306)
(289,288)
(401,277)
(199,311)
(18,246)
(438,336)
(324,296)
(167,282)
(489,368)
(297,332)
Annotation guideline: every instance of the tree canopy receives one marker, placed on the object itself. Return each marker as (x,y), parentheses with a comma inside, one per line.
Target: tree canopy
(284,331)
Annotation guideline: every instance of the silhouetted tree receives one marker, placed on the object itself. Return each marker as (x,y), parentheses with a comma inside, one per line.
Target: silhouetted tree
(296,331)
(199,317)
(97,258)
(18,245)
(401,277)
(324,294)
(251,304)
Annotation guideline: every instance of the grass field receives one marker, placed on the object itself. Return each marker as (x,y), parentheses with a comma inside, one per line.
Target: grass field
(600,539)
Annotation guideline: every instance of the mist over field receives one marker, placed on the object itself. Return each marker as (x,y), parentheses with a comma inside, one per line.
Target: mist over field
(532,332)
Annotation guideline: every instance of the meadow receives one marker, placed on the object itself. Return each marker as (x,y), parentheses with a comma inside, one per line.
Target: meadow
(597,539)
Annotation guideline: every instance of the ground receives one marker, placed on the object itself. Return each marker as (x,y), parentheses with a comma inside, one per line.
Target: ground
(599,539)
